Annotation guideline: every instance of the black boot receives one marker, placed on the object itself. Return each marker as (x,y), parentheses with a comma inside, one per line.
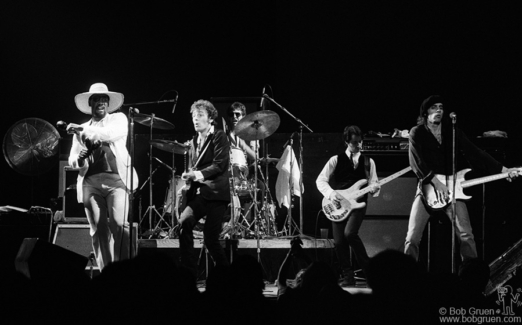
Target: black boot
(347,280)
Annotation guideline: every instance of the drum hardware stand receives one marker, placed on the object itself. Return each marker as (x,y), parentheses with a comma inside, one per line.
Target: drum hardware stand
(139,191)
(300,155)
(132,112)
(271,226)
(233,227)
(257,126)
(151,209)
(172,204)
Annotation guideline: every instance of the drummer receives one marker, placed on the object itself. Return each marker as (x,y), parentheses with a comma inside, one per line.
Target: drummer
(235,113)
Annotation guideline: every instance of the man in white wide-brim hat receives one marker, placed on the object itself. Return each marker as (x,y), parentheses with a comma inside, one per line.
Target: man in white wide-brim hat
(103,186)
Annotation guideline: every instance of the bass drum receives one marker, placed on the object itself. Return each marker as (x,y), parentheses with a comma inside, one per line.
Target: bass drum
(171,196)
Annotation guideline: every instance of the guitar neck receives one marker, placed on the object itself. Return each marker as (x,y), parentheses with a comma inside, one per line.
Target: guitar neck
(383,181)
(481,180)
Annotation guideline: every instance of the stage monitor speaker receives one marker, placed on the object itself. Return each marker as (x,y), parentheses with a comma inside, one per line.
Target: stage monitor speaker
(395,198)
(43,261)
(379,234)
(77,238)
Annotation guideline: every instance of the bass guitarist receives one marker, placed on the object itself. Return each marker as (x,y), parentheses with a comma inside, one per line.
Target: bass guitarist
(430,154)
(207,178)
(341,172)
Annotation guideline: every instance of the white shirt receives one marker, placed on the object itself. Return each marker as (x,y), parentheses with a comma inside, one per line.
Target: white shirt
(200,143)
(323,179)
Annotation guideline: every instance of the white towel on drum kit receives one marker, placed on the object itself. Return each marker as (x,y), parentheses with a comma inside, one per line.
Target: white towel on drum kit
(288,163)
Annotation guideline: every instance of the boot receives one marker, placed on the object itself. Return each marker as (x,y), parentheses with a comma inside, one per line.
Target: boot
(347,280)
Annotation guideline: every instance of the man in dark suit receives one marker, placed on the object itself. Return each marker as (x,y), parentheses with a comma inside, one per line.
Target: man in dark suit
(208,181)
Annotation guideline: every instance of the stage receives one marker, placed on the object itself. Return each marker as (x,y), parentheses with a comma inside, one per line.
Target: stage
(271,252)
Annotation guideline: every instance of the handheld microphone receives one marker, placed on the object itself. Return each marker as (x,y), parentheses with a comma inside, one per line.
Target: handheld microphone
(175,102)
(289,140)
(262,98)
(61,125)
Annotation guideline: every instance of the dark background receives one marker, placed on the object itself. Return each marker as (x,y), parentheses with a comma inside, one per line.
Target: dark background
(331,65)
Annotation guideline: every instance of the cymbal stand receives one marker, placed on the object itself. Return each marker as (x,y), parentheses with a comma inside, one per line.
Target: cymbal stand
(174,212)
(300,154)
(141,188)
(172,194)
(151,209)
(267,212)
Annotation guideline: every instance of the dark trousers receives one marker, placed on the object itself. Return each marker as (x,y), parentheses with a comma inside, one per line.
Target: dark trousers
(196,209)
(346,236)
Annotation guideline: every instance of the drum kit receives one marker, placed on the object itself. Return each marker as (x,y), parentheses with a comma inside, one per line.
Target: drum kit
(244,191)
(253,127)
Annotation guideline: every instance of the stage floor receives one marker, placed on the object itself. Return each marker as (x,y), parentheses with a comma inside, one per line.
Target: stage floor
(272,243)
(271,253)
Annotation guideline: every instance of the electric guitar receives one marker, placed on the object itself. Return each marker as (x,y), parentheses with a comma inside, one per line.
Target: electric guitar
(435,202)
(337,212)
(189,189)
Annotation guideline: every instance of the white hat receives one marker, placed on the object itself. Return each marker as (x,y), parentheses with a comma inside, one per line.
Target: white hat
(82,100)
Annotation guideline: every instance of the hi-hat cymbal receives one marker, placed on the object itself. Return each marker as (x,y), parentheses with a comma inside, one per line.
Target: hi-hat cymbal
(257,125)
(170,146)
(157,123)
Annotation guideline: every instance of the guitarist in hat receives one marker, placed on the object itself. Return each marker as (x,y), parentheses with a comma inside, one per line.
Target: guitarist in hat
(430,154)
(341,172)
(207,180)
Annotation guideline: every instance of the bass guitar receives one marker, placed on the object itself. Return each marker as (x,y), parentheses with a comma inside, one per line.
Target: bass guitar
(338,211)
(436,202)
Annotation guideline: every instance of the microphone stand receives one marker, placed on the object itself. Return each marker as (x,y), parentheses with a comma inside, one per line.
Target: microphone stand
(156,102)
(131,197)
(301,125)
(453,202)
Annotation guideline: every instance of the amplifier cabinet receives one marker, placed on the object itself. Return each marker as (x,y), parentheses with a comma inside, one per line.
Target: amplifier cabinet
(77,238)
(71,208)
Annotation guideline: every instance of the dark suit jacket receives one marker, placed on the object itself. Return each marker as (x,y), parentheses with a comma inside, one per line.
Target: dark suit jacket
(213,165)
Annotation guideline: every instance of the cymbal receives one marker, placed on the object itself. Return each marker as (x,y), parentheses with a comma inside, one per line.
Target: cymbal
(156,122)
(257,125)
(170,146)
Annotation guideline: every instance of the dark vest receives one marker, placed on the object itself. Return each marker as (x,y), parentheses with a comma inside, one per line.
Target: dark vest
(345,176)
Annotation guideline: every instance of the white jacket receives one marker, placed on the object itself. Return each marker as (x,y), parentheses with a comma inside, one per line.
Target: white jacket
(113,130)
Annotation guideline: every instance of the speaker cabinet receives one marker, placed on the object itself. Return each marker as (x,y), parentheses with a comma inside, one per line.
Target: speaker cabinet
(395,198)
(77,238)
(42,261)
(379,234)
(71,208)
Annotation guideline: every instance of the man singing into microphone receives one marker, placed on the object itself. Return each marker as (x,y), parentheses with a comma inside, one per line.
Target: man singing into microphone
(103,186)
(430,153)
(340,173)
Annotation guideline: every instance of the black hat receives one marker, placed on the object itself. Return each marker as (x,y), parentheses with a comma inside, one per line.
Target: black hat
(428,102)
